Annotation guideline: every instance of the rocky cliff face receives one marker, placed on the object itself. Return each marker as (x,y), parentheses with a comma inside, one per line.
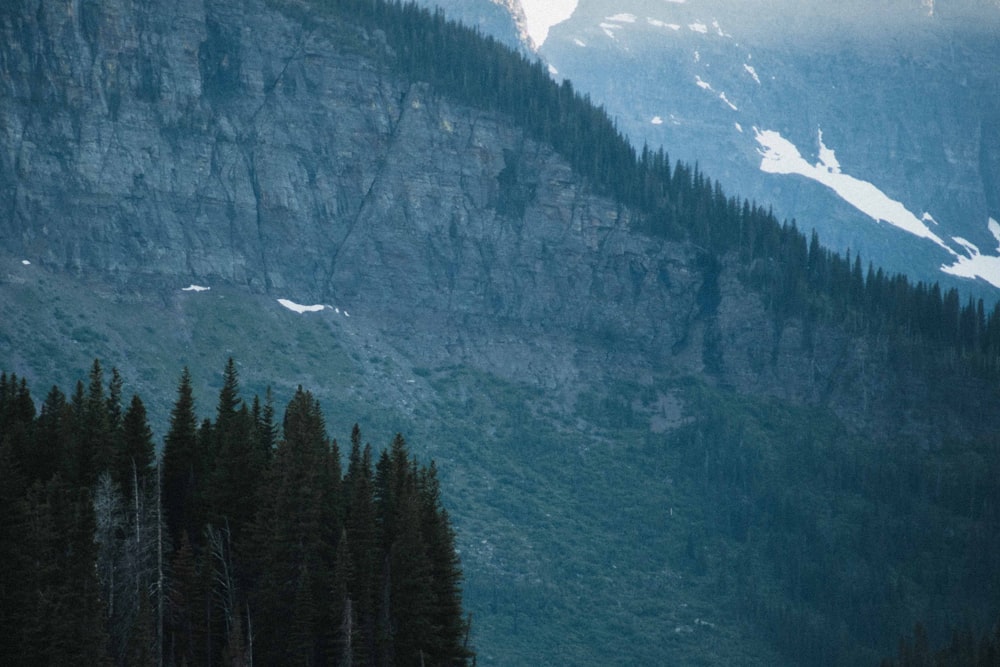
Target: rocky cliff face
(250,144)
(209,141)
(904,93)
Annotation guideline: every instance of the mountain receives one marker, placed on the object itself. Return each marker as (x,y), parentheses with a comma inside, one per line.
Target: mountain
(659,449)
(876,125)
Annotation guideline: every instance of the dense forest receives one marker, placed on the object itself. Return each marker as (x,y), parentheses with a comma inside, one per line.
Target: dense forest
(964,650)
(246,542)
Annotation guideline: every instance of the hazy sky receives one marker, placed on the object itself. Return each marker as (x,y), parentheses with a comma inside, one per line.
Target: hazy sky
(543,14)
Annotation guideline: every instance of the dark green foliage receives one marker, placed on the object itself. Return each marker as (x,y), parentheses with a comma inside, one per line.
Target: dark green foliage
(279,556)
(964,650)
(183,466)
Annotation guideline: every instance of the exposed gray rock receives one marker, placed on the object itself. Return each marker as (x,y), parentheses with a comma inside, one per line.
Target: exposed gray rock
(207,140)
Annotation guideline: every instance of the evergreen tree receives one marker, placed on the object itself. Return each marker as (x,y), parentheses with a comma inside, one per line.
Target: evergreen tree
(135,458)
(363,545)
(288,546)
(182,466)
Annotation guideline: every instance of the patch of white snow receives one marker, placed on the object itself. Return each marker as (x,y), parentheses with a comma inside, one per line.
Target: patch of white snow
(608,29)
(541,15)
(579,42)
(553,71)
(698,27)
(827,158)
(657,23)
(927,217)
(719,31)
(975,264)
(780,156)
(195,288)
(722,96)
(739,128)
(752,72)
(621,18)
(25,262)
(656,120)
(702,84)
(299,308)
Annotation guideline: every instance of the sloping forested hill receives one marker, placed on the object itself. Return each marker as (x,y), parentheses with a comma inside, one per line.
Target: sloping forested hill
(671,428)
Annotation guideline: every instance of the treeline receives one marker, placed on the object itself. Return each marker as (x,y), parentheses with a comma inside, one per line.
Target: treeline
(964,650)
(796,276)
(245,543)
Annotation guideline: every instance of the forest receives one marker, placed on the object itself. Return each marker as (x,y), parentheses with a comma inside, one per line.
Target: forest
(245,542)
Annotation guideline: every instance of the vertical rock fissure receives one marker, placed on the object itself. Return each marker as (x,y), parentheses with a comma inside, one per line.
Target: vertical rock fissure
(249,158)
(352,224)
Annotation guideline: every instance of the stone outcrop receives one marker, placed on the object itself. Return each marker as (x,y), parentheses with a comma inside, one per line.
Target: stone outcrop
(258,145)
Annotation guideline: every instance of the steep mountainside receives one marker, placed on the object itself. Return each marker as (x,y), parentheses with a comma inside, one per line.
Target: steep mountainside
(874,125)
(635,441)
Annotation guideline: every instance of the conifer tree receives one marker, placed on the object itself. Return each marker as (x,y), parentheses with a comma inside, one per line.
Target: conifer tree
(288,548)
(363,545)
(135,458)
(182,465)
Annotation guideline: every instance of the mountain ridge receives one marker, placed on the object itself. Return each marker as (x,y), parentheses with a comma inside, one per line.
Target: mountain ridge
(902,91)
(477,286)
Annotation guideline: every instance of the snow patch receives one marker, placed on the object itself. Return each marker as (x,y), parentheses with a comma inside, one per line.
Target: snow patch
(697,56)
(698,27)
(739,128)
(608,29)
(927,217)
(553,71)
(780,156)
(975,264)
(719,31)
(702,84)
(195,288)
(541,15)
(579,42)
(752,72)
(656,120)
(722,96)
(621,18)
(25,262)
(827,158)
(299,308)
(657,23)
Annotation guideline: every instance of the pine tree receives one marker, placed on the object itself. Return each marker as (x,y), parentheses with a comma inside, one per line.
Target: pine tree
(53,435)
(363,545)
(238,460)
(288,548)
(135,458)
(182,465)
(449,627)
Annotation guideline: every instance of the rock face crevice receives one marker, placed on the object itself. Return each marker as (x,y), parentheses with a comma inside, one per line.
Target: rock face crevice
(206,141)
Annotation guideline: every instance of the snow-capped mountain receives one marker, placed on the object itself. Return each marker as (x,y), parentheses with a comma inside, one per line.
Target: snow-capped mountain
(878,125)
